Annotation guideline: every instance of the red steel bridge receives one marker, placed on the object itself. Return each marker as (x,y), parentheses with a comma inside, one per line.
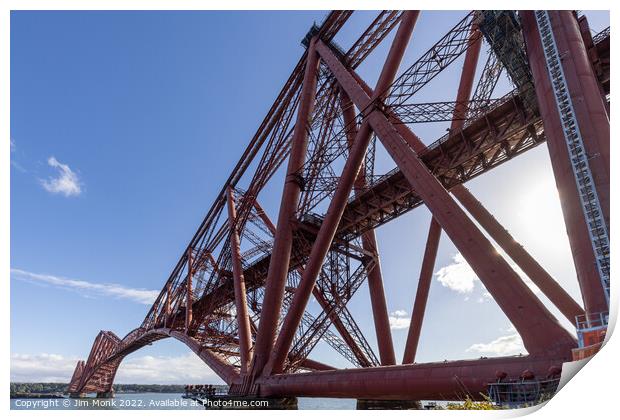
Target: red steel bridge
(238,296)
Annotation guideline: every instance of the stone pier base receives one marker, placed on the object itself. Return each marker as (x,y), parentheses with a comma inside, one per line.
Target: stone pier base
(77,395)
(363,404)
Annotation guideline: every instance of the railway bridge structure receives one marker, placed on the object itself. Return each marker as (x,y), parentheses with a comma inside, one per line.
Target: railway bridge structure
(238,296)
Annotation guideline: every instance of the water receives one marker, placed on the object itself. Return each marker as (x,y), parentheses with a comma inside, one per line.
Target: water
(156,401)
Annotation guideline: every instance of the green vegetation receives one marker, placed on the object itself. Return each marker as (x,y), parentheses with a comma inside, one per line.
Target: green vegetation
(37,388)
(48,388)
(469,404)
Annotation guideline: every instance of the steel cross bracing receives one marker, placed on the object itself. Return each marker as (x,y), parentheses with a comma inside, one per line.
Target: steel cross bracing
(249,322)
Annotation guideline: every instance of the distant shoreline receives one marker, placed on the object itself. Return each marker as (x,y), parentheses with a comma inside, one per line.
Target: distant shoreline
(59,389)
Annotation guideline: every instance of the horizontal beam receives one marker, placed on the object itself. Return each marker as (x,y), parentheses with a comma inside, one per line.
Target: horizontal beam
(422,381)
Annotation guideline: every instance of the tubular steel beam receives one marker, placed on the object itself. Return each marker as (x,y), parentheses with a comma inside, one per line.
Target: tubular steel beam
(539,276)
(594,125)
(188,289)
(241,304)
(538,328)
(281,254)
(453,380)
(421,297)
(339,201)
(426,272)
(369,243)
(325,306)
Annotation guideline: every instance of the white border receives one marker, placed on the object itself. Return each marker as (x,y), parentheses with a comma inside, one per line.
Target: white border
(591,394)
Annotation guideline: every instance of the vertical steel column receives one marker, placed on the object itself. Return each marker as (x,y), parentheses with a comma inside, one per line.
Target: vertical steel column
(338,324)
(421,297)
(167,307)
(241,304)
(281,254)
(593,125)
(188,288)
(369,243)
(336,207)
(466,82)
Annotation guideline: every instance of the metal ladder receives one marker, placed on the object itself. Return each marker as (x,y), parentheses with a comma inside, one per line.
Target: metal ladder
(597,228)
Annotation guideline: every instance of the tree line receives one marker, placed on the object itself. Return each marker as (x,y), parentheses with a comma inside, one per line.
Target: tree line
(56,387)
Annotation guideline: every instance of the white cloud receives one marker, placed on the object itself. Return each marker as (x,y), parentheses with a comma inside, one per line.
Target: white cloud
(187,368)
(457,276)
(460,277)
(146,297)
(505,345)
(399,320)
(66,182)
(182,369)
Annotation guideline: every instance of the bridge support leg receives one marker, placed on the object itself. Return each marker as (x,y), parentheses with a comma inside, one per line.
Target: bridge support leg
(432,243)
(369,243)
(189,301)
(338,324)
(241,304)
(281,254)
(338,203)
(539,276)
(421,297)
(590,112)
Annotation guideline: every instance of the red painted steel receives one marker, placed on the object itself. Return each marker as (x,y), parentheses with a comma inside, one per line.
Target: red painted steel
(278,268)
(189,299)
(218,297)
(338,202)
(593,122)
(432,243)
(369,242)
(421,297)
(241,304)
(540,331)
(338,324)
(539,276)
(449,380)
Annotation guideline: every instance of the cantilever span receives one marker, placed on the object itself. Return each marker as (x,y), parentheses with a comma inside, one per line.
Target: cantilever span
(238,296)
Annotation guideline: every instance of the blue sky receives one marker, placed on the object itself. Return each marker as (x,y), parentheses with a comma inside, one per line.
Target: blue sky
(125,125)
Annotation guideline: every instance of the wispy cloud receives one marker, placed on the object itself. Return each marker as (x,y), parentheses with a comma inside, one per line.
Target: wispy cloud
(399,320)
(501,346)
(14,163)
(66,182)
(146,297)
(182,369)
(460,277)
